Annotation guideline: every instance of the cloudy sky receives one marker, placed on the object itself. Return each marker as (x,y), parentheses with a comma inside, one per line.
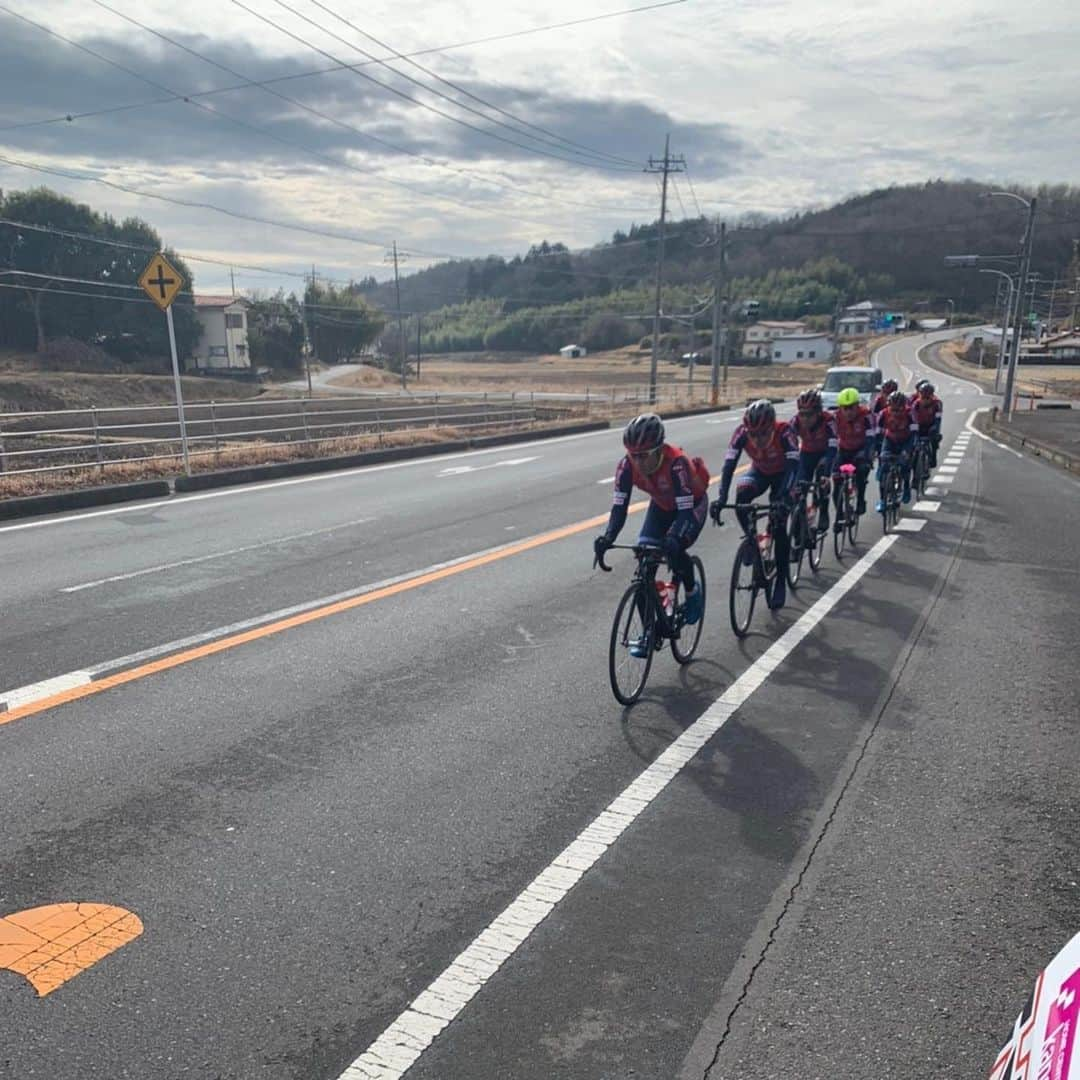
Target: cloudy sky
(775,104)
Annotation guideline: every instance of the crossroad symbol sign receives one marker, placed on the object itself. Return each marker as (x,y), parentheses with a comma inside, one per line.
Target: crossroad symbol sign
(161,281)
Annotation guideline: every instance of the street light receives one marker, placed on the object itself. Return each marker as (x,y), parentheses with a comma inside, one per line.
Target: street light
(1004,323)
(1025,265)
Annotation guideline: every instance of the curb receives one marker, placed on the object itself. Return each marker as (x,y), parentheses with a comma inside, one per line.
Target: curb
(1069,462)
(32,505)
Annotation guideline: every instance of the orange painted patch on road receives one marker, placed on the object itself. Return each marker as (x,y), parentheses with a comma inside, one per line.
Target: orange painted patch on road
(50,945)
(199,652)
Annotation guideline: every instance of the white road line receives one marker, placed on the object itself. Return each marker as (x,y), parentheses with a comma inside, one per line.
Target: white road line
(926,506)
(13,699)
(926,367)
(986,438)
(216,555)
(942,479)
(459,470)
(961,410)
(402,1043)
(935,491)
(911,525)
(947,469)
(607,480)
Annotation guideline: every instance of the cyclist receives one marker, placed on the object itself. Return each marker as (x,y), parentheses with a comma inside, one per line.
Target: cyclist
(856,433)
(926,407)
(678,489)
(816,431)
(888,387)
(897,439)
(773,450)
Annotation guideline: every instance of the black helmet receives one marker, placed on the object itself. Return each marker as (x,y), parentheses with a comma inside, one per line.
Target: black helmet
(809,400)
(921,383)
(644,432)
(759,415)
(897,397)
(888,386)
(926,388)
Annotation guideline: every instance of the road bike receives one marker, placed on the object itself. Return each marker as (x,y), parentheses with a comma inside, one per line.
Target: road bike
(754,569)
(649,613)
(846,526)
(891,486)
(806,537)
(920,465)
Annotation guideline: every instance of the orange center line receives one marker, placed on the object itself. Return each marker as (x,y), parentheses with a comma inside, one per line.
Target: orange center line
(154,667)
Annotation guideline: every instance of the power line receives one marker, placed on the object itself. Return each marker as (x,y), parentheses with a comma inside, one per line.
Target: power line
(468,93)
(434,162)
(336,162)
(402,94)
(69,117)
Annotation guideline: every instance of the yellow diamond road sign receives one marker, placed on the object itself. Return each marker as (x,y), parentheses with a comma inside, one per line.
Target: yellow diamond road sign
(161,281)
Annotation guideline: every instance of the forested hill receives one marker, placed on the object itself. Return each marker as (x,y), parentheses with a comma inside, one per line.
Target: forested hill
(895,239)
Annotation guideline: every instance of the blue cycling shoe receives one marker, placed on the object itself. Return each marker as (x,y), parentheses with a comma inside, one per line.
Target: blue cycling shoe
(779,593)
(907,495)
(880,506)
(693,606)
(639,647)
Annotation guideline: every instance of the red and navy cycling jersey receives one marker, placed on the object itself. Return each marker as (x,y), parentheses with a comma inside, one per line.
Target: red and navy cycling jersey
(855,431)
(772,458)
(880,402)
(678,486)
(815,438)
(927,413)
(897,427)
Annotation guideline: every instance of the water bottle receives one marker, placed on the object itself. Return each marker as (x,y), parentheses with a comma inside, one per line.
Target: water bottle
(665,591)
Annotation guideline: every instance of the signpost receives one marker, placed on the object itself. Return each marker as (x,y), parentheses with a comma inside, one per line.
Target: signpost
(162,282)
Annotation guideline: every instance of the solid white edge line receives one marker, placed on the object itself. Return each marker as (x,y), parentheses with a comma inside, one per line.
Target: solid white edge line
(986,438)
(402,1043)
(956,378)
(330,474)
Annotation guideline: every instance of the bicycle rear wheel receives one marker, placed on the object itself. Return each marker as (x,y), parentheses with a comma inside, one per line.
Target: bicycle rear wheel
(684,647)
(744,589)
(798,541)
(628,673)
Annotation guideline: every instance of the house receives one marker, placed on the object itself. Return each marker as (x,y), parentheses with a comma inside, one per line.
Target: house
(224,341)
(572,352)
(801,348)
(860,325)
(870,317)
(1063,350)
(757,337)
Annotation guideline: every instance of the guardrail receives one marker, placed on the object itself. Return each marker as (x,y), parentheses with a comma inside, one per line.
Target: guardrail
(65,440)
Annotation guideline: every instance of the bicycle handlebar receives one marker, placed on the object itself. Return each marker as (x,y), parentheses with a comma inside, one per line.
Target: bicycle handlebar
(637,549)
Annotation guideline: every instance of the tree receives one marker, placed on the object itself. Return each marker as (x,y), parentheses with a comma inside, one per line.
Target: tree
(49,306)
(276,331)
(339,322)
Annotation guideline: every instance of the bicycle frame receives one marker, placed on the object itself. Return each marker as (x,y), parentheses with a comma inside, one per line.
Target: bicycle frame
(649,560)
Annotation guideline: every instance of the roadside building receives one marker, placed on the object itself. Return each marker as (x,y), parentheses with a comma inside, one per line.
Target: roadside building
(224,341)
(801,348)
(757,338)
(1063,350)
(572,352)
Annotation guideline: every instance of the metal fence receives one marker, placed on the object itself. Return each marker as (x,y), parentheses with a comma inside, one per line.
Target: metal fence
(64,440)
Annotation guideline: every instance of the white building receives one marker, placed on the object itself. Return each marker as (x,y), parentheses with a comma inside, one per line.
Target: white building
(802,348)
(571,352)
(758,335)
(224,341)
(854,325)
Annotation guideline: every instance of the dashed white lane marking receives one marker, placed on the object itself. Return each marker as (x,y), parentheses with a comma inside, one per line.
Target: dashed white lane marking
(910,525)
(961,410)
(13,699)
(607,480)
(461,470)
(947,469)
(935,491)
(942,479)
(216,555)
(926,506)
(402,1043)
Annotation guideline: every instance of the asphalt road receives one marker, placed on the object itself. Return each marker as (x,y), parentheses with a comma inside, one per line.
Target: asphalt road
(315,812)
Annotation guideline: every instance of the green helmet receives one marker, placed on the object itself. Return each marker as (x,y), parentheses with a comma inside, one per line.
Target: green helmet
(848,396)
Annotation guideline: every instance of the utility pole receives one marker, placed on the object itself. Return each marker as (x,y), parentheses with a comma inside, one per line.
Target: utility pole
(310,342)
(232,280)
(418,346)
(400,317)
(1025,266)
(666,166)
(718,313)
(1050,313)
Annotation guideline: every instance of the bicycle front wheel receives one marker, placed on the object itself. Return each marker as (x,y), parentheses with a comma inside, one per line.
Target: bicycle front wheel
(840,528)
(744,588)
(685,644)
(798,541)
(815,545)
(631,629)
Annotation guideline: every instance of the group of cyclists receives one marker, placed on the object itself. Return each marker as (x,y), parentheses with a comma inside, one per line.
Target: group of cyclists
(786,457)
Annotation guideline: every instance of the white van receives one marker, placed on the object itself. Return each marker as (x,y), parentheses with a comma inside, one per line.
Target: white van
(867,380)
